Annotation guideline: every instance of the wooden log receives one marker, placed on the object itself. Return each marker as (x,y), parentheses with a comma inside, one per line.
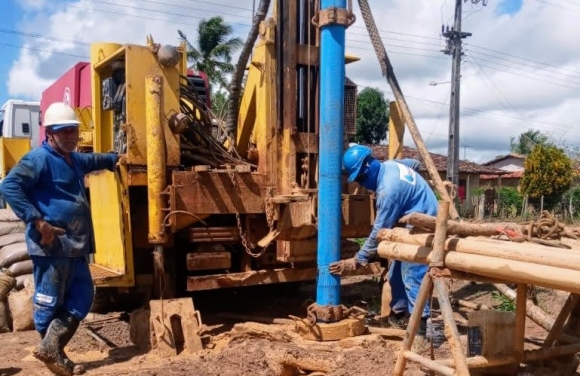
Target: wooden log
(556,257)
(387,332)
(508,270)
(427,222)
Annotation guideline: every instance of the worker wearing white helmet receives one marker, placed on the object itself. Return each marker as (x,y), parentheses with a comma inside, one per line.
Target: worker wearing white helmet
(46,190)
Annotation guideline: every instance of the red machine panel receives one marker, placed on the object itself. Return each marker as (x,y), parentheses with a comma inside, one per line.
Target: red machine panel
(73,87)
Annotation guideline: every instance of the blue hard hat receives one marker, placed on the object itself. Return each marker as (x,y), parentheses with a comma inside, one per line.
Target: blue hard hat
(354,159)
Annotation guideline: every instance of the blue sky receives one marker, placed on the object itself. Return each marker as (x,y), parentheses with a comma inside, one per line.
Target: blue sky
(510,7)
(8,17)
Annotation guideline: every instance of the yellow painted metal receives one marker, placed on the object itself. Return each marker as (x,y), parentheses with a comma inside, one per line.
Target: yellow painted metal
(156,168)
(12,149)
(111,222)
(257,114)
(396,132)
(140,61)
(102,121)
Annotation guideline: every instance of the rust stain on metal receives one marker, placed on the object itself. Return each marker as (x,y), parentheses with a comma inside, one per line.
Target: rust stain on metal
(259,277)
(214,192)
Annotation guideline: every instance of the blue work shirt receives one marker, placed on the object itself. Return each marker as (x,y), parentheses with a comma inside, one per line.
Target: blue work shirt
(400,191)
(44,186)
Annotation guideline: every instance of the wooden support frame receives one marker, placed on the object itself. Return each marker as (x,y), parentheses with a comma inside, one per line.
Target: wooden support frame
(460,364)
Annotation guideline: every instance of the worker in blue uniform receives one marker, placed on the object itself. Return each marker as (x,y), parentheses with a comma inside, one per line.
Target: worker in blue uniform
(46,190)
(399,191)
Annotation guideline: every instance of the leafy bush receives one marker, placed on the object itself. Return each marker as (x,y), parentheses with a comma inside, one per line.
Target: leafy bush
(511,201)
(548,172)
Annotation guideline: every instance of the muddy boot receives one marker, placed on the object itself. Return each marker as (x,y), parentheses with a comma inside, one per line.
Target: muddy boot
(7,283)
(51,349)
(72,324)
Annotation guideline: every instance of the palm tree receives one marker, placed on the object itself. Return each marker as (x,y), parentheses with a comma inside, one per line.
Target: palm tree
(526,141)
(213,51)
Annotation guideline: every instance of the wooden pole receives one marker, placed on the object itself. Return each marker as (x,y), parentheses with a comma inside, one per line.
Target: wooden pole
(536,254)
(396,132)
(413,325)
(463,229)
(440,235)
(451,331)
(507,270)
(556,330)
(520,324)
(430,364)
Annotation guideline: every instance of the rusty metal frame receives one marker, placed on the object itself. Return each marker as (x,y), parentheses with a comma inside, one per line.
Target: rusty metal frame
(265,276)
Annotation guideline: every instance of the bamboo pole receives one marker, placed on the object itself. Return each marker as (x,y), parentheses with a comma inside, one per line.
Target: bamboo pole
(507,270)
(555,257)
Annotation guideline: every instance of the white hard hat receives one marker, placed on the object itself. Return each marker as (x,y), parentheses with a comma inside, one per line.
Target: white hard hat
(58,116)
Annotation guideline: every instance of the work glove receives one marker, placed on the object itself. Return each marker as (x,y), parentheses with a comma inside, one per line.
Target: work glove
(48,231)
(342,266)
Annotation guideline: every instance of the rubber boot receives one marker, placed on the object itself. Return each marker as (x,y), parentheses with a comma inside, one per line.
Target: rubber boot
(7,283)
(51,349)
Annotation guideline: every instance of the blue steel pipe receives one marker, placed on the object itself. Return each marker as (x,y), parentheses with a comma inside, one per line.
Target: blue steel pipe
(332,73)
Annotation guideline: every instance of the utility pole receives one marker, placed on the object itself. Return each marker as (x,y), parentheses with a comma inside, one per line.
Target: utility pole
(454,39)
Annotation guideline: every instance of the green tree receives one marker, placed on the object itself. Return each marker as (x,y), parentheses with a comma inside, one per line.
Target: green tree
(547,172)
(212,52)
(372,116)
(526,141)
(219,101)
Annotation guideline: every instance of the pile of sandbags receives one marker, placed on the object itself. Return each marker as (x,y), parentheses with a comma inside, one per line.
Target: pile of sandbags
(16,310)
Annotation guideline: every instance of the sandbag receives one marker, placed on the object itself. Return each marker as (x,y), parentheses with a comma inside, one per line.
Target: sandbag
(18,237)
(4,316)
(7,228)
(12,254)
(22,281)
(21,308)
(20,268)
(7,215)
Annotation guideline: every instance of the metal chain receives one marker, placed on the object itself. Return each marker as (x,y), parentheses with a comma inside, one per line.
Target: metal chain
(238,220)
(270,215)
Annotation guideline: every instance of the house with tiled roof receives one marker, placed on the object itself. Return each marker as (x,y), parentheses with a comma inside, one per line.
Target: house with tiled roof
(469,172)
(512,164)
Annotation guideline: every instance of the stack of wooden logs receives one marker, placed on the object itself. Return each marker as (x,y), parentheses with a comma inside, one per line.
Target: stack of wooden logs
(471,249)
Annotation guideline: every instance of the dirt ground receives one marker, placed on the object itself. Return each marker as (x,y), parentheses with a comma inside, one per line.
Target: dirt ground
(231,347)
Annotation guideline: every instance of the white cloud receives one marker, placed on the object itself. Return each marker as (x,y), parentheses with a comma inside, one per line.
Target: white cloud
(532,82)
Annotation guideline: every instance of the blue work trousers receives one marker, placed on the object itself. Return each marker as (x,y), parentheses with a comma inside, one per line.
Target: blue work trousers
(405,279)
(63,285)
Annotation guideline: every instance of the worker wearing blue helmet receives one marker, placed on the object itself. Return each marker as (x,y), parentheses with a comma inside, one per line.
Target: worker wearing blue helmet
(399,191)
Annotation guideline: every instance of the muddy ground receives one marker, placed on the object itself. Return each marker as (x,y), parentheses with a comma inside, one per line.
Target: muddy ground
(237,348)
